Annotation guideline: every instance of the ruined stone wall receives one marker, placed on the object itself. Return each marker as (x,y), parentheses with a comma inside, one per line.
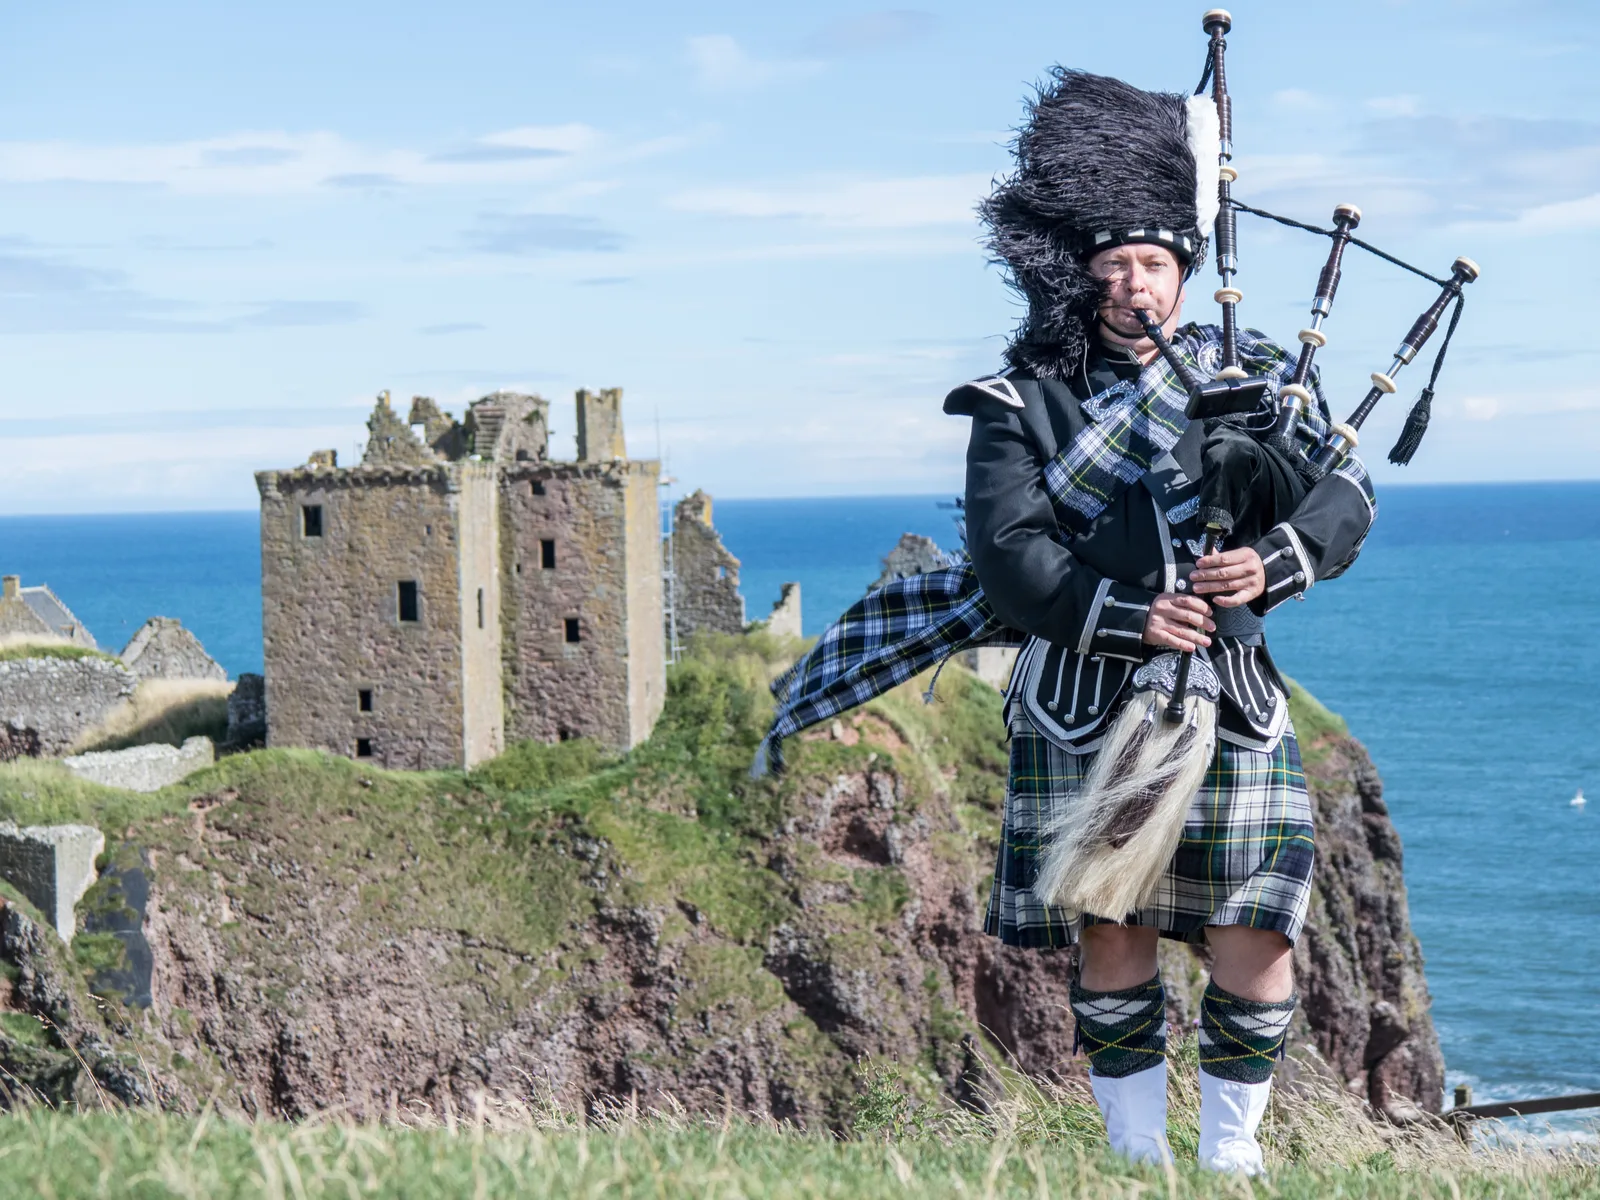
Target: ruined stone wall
(784,619)
(647,649)
(600,438)
(557,689)
(707,575)
(912,555)
(507,427)
(483,709)
(247,710)
(164,649)
(330,613)
(46,704)
(391,442)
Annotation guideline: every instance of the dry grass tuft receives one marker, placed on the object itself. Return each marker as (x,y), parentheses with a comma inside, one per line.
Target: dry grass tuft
(163,710)
(36,645)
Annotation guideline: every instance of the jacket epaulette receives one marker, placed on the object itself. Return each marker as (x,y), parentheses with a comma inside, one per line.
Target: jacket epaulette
(963,401)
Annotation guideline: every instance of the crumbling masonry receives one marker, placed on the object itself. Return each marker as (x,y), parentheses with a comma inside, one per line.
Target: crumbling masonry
(706,574)
(460,589)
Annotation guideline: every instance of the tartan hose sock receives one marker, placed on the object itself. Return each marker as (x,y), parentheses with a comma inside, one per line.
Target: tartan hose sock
(1241,1039)
(1123,1032)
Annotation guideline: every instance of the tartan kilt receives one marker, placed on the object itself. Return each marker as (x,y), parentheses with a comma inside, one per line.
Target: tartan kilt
(1244,859)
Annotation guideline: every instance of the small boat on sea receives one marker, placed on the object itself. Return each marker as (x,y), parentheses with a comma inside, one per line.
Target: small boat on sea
(1578,801)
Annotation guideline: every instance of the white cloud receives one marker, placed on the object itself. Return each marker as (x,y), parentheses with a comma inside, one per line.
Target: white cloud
(1566,216)
(156,471)
(277,161)
(1395,106)
(720,64)
(1553,402)
(867,203)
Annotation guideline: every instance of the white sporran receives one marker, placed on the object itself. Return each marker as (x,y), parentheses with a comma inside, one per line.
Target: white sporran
(1106,850)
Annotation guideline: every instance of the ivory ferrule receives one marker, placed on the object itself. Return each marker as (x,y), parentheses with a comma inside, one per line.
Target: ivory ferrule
(1228,295)
(1232,373)
(1300,396)
(1347,436)
(1314,337)
(1228,174)
(1383,383)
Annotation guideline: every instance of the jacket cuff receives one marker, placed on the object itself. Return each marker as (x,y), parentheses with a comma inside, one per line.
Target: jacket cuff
(1115,624)
(1288,567)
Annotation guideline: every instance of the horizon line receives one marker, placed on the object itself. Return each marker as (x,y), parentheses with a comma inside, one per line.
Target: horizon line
(736,498)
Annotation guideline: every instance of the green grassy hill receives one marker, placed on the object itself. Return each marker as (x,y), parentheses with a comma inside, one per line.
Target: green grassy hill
(525,954)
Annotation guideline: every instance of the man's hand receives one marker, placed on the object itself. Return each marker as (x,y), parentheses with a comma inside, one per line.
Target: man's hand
(1231,578)
(1179,622)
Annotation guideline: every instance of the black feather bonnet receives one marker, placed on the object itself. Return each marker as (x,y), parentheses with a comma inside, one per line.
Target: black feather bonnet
(1098,163)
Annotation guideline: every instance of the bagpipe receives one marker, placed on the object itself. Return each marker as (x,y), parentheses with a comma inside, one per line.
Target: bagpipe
(1295,400)
(1106,852)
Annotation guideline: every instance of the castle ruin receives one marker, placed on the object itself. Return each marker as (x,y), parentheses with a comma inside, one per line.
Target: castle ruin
(460,589)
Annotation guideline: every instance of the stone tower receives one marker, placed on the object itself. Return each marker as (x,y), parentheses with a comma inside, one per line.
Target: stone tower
(459,589)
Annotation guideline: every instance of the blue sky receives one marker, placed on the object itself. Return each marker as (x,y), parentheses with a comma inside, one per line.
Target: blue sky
(228,226)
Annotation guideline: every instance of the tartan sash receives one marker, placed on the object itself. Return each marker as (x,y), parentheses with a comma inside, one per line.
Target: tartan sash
(901,629)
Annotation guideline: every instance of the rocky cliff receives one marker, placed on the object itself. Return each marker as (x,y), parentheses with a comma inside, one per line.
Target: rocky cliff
(287,932)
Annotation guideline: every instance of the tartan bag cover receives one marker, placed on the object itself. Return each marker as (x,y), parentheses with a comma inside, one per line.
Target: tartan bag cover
(908,625)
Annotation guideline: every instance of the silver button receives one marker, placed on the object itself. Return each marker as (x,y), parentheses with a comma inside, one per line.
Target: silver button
(1111,602)
(1095,658)
(1299,576)
(1094,710)
(1177,543)
(1182,585)
(1272,702)
(1100,632)
(1051,706)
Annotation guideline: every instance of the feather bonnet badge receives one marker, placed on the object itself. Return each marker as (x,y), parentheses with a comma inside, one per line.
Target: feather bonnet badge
(1099,163)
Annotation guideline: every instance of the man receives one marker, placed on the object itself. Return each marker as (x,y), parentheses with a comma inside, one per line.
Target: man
(1083,527)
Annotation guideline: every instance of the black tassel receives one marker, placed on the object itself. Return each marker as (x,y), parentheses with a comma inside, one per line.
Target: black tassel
(1416,425)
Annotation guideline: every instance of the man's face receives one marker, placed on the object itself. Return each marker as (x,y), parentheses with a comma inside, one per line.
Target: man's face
(1137,276)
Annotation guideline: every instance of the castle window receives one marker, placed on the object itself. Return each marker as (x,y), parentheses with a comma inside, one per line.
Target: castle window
(311,520)
(363,747)
(573,633)
(538,487)
(547,553)
(409,606)
(480,608)
(364,699)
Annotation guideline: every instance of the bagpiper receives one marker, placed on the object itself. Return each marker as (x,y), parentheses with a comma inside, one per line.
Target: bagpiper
(1140,494)
(1084,524)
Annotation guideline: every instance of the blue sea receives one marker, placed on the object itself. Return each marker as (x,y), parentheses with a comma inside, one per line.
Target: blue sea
(1463,649)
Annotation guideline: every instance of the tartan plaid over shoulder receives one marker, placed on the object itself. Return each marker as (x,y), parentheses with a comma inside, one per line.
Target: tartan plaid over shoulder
(909,625)
(883,639)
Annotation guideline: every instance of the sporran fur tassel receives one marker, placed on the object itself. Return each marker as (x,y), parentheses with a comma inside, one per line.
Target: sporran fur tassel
(1416,425)
(1106,852)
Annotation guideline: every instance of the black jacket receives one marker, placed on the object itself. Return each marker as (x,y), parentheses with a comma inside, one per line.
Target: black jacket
(1086,597)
